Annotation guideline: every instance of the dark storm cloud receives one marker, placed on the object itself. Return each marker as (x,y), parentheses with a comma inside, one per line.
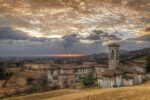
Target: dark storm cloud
(133,45)
(70,40)
(145,38)
(100,35)
(9,33)
(96,35)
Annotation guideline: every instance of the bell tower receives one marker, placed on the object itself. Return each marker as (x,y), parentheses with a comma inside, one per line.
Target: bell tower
(113,56)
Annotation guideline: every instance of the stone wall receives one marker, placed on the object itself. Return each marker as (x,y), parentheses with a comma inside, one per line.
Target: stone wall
(127,82)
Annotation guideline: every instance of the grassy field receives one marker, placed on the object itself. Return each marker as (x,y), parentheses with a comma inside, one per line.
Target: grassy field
(139,92)
(45,95)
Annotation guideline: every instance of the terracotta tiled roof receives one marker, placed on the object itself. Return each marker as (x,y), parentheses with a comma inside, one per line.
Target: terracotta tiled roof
(66,74)
(99,65)
(113,45)
(76,67)
(131,70)
(111,73)
(128,76)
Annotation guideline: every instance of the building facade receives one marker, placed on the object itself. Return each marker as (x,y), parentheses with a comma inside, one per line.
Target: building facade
(113,75)
(116,75)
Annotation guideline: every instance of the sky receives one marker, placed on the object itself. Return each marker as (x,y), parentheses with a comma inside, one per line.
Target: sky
(48,27)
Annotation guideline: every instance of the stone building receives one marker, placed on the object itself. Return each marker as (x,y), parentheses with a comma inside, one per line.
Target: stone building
(113,75)
(66,80)
(37,66)
(117,75)
(68,74)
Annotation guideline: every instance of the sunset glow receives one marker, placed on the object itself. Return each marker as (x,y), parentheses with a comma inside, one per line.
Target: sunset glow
(65,55)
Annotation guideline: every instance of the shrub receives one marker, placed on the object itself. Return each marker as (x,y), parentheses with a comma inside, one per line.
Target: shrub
(148,64)
(37,84)
(78,86)
(89,80)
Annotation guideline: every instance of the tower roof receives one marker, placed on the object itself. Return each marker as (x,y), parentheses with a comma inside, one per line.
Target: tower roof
(113,45)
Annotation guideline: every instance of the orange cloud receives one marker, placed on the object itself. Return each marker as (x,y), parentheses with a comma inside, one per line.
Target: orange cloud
(145,30)
(65,55)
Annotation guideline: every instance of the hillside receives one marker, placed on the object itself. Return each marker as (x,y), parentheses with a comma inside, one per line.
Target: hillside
(139,92)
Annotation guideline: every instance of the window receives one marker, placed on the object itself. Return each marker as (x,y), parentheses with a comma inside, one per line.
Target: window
(112,54)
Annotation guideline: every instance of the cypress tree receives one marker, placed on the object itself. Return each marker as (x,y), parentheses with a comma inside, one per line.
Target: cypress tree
(148,64)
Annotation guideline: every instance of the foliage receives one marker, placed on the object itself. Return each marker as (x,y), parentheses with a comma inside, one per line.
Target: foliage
(37,84)
(78,86)
(89,80)
(30,80)
(3,75)
(148,64)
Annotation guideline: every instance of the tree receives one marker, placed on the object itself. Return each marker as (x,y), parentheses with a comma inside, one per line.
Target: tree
(37,84)
(89,80)
(148,64)
(2,73)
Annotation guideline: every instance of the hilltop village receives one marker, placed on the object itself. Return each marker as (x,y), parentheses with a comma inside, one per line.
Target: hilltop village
(113,75)
(46,76)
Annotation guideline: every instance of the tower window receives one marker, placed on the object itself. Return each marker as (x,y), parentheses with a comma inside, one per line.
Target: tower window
(112,54)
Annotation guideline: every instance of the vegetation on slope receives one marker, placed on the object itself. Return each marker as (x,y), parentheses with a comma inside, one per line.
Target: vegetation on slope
(41,96)
(148,64)
(140,92)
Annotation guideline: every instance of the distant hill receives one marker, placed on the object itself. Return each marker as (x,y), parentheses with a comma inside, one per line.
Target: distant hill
(101,58)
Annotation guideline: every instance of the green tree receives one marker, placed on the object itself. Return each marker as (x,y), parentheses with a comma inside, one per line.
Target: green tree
(89,80)
(2,73)
(37,84)
(148,63)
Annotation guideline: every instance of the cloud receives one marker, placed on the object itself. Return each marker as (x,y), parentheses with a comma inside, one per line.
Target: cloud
(33,22)
(9,33)
(17,43)
(145,38)
(70,40)
(146,30)
(101,36)
(62,17)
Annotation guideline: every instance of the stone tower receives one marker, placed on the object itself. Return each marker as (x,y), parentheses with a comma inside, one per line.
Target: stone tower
(113,56)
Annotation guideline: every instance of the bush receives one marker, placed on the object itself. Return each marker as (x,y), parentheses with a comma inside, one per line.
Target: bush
(30,80)
(3,75)
(89,80)
(148,64)
(37,84)
(78,86)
